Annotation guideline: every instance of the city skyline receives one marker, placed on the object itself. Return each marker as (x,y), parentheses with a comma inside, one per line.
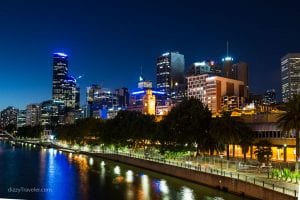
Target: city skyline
(110,51)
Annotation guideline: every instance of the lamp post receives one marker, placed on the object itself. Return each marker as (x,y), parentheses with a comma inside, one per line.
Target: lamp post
(221,156)
(284,152)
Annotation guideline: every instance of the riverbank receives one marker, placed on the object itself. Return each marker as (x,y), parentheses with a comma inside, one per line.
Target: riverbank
(200,175)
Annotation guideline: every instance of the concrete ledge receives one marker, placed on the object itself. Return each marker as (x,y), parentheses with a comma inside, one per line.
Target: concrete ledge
(225,183)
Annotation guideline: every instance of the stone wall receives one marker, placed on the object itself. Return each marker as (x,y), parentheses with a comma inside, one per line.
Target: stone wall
(225,183)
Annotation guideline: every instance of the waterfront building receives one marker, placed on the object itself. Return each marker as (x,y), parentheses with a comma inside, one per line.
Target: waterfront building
(218,93)
(32,114)
(170,75)
(51,113)
(290,75)
(21,119)
(9,116)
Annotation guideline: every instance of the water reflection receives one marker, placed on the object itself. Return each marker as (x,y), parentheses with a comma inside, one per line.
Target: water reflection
(145,187)
(75,176)
(187,193)
(91,161)
(129,176)
(117,170)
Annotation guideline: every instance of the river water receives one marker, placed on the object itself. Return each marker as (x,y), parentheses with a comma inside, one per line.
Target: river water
(28,172)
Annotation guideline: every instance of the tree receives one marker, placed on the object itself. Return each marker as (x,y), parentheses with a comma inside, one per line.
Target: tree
(225,130)
(290,122)
(185,126)
(263,151)
(30,131)
(246,138)
(11,128)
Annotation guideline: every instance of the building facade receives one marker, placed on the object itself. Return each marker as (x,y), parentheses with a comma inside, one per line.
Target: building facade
(218,93)
(170,75)
(9,116)
(290,75)
(60,71)
(269,97)
(100,101)
(32,114)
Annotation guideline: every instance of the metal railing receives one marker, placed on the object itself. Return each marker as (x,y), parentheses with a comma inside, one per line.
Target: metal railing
(203,164)
(265,183)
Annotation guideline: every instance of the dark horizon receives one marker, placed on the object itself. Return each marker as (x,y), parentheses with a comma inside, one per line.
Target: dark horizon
(108,42)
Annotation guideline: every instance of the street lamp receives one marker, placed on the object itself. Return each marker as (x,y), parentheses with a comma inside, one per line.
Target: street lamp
(284,152)
(221,156)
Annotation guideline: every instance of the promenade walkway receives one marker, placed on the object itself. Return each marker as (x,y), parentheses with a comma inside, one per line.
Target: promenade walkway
(213,166)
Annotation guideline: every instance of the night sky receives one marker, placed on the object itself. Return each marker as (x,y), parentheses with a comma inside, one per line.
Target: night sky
(108,41)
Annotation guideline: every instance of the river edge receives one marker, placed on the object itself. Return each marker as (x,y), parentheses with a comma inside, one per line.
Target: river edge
(227,184)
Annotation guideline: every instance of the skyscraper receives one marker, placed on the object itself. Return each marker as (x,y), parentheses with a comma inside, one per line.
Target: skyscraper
(64,87)
(269,97)
(170,75)
(237,71)
(290,75)
(32,114)
(60,71)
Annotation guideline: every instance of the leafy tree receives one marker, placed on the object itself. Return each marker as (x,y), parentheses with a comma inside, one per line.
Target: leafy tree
(30,131)
(225,130)
(185,126)
(245,138)
(290,121)
(263,151)
(11,128)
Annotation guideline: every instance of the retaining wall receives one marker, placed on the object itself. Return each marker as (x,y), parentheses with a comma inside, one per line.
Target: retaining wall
(225,183)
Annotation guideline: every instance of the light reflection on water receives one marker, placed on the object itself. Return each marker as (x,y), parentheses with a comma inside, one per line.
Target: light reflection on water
(76,176)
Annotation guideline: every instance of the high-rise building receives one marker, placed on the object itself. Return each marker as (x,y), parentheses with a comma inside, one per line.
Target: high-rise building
(218,93)
(21,119)
(64,87)
(72,94)
(237,71)
(269,97)
(290,75)
(9,116)
(170,75)
(123,97)
(60,71)
(100,100)
(32,114)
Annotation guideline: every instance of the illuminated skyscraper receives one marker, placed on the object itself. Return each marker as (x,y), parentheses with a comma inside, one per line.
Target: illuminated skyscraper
(290,75)
(64,87)
(170,75)
(269,97)
(60,71)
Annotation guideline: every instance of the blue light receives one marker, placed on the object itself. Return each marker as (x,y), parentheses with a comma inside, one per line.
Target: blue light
(157,92)
(61,54)
(227,59)
(138,92)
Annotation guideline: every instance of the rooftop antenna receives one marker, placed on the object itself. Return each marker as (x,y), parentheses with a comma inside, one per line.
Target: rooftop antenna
(141,75)
(227,44)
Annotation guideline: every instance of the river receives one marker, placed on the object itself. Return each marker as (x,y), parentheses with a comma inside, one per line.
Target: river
(28,172)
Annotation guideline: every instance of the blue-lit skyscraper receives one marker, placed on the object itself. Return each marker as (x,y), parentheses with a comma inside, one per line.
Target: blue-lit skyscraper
(64,87)
(60,71)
